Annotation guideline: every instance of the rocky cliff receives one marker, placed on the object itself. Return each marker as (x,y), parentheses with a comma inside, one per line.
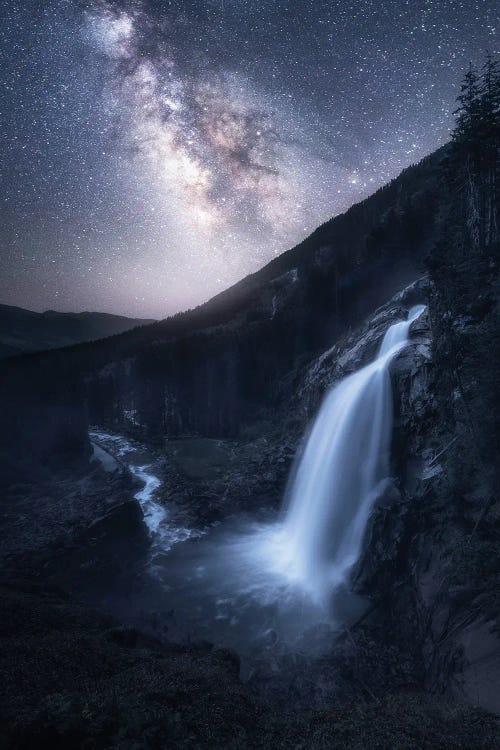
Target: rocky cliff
(430,563)
(429,567)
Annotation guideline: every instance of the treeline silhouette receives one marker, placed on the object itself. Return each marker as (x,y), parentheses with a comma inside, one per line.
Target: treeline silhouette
(464,268)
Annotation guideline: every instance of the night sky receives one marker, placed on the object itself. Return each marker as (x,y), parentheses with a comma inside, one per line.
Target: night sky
(152,153)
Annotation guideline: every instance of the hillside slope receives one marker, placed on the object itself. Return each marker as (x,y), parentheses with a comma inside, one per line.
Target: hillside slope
(221,367)
(214,370)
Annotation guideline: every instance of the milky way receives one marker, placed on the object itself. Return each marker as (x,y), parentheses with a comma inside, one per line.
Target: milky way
(152,153)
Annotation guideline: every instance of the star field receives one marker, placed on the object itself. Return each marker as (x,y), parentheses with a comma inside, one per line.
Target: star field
(153,153)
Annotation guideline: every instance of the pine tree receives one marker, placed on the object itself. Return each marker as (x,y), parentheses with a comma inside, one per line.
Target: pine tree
(465,273)
(489,90)
(489,139)
(474,158)
(467,111)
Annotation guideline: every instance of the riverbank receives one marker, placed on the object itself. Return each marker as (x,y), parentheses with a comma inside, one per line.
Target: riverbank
(82,532)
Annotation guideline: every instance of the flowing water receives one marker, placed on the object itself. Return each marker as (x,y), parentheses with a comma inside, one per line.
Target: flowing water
(246,578)
(163,533)
(342,470)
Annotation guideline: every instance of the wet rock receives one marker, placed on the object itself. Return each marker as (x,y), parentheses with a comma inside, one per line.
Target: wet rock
(358,347)
(385,533)
(317,640)
(229,658)
(417,544)
(120,528)
(128,637)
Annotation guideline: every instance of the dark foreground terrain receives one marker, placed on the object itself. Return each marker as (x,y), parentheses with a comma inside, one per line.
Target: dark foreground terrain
(74,679)
(413,673)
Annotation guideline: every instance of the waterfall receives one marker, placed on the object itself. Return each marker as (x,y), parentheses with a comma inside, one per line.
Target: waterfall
(342,470)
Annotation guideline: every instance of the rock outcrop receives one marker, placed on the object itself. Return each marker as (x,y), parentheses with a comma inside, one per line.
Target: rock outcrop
(421,542)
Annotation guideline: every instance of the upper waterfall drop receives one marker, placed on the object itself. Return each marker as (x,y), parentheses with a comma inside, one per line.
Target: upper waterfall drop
(341,471)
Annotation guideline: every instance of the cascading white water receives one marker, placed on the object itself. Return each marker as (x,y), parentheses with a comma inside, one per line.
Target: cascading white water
(341,471)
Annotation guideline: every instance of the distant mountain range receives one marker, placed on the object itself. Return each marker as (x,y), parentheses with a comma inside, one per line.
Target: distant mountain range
(27,331)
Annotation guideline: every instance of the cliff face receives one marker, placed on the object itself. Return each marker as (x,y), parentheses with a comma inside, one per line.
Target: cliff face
(435,558)
(429,564)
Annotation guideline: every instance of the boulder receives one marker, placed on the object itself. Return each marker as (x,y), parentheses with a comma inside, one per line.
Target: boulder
(111,548)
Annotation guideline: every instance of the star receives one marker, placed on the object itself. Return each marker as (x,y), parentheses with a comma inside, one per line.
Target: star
(156,152)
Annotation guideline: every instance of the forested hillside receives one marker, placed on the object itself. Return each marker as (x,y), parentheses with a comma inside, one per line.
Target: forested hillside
(464,268)
(216,368)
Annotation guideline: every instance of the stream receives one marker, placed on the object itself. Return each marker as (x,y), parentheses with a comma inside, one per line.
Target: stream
(111,450)
(214,584)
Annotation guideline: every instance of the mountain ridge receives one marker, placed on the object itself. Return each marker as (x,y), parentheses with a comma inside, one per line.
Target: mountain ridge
(28,331)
